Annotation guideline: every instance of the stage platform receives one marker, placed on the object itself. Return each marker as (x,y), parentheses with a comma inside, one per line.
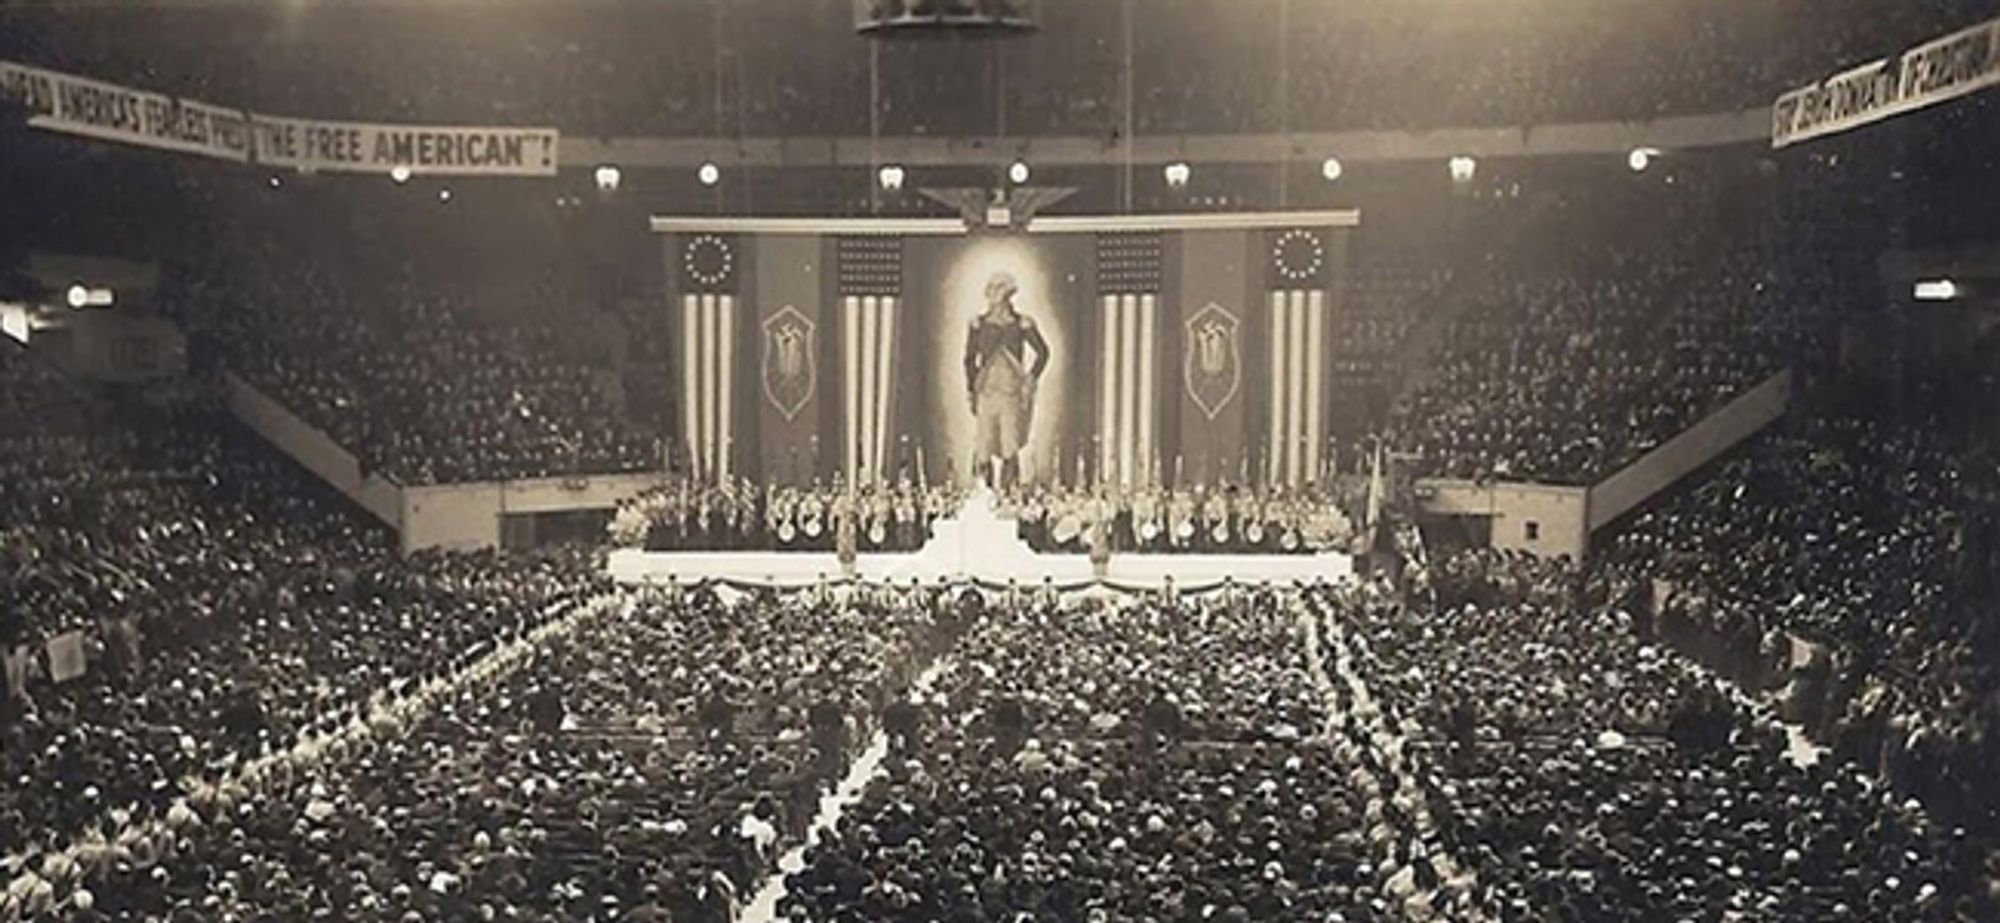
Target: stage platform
(978,544)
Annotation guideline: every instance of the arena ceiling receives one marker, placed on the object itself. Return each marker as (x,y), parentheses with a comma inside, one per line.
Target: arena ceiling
(783,68)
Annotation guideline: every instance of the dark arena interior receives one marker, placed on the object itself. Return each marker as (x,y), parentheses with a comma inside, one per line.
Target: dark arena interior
(999,461)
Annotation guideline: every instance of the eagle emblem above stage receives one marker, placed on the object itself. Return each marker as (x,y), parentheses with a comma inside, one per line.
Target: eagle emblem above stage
(1212,364)
(790,373)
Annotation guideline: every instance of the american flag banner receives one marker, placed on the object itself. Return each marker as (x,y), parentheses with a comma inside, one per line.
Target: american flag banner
(871,288)
(1297,357)
(1128,283)
(709,272)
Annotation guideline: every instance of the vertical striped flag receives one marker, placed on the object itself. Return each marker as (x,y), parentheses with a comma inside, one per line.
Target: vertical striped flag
(1128,284)
(1296,340)
(708,272)
(871,286)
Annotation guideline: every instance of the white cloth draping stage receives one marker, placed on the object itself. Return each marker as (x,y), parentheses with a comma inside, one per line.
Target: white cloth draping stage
(977,544)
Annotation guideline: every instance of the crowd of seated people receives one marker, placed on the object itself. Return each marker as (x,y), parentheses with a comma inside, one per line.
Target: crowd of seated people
(408,377)
(47,439)
(650,764)
(1870,544)
(223,606)
(594,71)
(1386,295)
(1589,774)
(1562,370)
(1109,759)
(1088,759)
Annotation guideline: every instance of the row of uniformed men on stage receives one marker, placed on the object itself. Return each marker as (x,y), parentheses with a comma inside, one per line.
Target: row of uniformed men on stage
(1197,520)
(737,515)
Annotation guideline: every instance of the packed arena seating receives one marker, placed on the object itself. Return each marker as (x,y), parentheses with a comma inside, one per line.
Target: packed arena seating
(1116,759)
(46,436)
(1530,748)
(1578,377)
(227,606)
(1594,342)
(1771,693)
(653,760)
(1588,774)
(776,68)
(406,374)
(1387,294)
(1871,541)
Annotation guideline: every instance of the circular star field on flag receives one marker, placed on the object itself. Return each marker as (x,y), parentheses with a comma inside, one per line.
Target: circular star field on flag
(1298,254)
(708,260)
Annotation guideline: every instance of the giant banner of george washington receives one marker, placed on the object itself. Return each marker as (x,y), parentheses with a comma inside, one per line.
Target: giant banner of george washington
(1083,350)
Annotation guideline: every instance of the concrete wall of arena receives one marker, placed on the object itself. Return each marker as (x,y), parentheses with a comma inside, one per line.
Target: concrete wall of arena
(314,450)
(1696,446)
(1542,519)
(471,516)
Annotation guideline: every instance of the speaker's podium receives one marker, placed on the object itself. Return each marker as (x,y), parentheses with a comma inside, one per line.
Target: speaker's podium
(980,542)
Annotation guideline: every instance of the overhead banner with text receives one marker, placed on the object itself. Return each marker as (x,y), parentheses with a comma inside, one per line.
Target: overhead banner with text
(368,148)
(1946,68)
(74,105)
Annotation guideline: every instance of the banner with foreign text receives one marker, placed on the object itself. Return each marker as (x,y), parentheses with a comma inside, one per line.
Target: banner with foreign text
(1945,68)
(80,106)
